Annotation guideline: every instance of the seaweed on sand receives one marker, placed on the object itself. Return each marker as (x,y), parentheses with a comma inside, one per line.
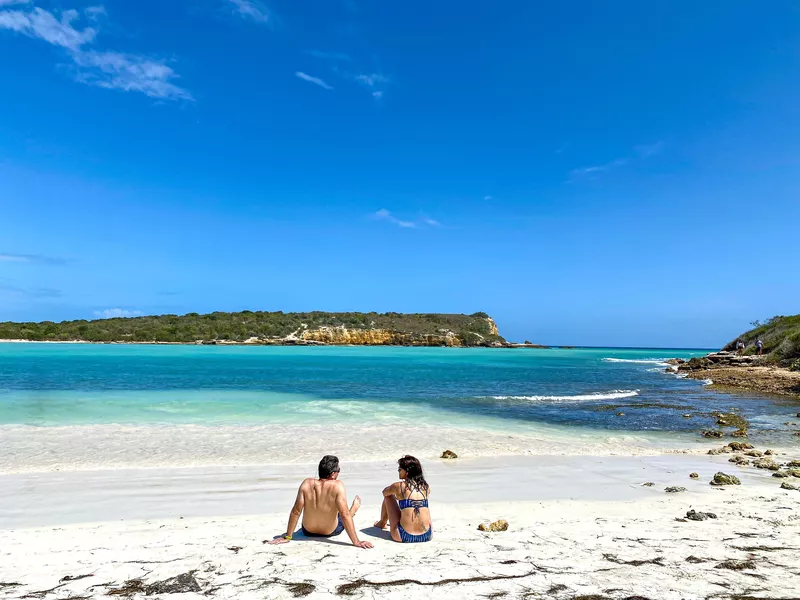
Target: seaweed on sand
(349,589)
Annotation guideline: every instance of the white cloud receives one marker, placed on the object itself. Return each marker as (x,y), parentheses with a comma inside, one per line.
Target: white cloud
(129,72)
(487,198)
(251,9)
(328,55)
(116,313)
(44,25)
(378,94)
(372,79)
(583,171)
(314,80)
(385,215)
(112,70)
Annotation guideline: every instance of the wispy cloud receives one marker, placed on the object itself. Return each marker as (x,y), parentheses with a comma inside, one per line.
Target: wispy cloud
(44,25)
(129,72)
(32,259)
(372,79)
(314,80)
(649,149)
(10,2)
(251,9)
(487,198)
(340,56)
(35,293)
(111,70)
(619,162)
(116,313)
(377,94)
(385,215)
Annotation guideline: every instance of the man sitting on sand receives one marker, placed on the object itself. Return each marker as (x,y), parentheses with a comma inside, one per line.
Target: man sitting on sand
(323,504)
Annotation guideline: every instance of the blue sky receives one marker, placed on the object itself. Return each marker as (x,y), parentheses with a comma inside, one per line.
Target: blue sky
(621,173)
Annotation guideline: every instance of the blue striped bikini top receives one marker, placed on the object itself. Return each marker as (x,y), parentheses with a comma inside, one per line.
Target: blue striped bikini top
(415,504)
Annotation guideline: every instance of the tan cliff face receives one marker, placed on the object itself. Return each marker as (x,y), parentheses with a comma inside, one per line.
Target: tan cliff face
(492,326)
(376,337)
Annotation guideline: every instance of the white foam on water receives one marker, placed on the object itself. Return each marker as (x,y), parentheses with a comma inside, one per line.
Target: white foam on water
(638,361)
(612,395)
(706,381)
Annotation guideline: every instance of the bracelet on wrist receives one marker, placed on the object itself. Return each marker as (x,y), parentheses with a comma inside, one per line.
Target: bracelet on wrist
(287,536)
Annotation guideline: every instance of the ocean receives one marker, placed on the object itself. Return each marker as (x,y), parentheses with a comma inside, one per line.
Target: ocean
(92,406)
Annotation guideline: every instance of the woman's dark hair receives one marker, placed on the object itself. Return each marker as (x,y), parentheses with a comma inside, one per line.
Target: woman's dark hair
(415,478)
(328,466)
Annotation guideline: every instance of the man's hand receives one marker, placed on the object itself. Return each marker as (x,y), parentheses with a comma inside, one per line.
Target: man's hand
(281,539)
(365,545)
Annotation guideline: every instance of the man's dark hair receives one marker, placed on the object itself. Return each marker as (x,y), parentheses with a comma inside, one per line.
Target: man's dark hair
(328,466)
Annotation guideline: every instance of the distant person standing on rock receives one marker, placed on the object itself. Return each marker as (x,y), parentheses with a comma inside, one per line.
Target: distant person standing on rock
(759,346)
(739,346)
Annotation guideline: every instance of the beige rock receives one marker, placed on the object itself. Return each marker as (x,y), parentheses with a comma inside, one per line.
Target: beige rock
(694,475)
(501,525)
(449,454)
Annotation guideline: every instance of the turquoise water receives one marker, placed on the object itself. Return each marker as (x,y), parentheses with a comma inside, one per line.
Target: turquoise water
(262,391)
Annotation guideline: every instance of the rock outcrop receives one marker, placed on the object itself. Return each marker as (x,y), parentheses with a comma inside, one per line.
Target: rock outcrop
(751,372)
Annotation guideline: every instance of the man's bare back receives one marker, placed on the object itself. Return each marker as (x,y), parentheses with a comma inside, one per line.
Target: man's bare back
(323,505)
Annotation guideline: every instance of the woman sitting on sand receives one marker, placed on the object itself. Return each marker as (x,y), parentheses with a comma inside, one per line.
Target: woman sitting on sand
(405,504)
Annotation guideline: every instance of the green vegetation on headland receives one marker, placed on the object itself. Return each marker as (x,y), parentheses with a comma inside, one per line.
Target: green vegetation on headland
(477,329)
(781,338)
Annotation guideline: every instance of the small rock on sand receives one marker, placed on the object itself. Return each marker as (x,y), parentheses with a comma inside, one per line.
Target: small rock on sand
(754,453)
(449,454)
(768,452)
(711,433)
(738,446)
(648,484)
(739,460)
(182,583)
(501,525)
(788,486)
(694,475)
(793,463)
(694,515)
(674,489)
(766,463)
(721,478)
(780,474)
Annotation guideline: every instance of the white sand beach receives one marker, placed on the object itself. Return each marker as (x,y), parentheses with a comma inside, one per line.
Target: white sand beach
(579,527)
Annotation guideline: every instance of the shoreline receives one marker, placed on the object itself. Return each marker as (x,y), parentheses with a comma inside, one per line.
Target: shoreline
(572,531)
(728,371)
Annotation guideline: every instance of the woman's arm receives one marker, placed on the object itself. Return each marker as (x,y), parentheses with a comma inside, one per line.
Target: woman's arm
(391,490)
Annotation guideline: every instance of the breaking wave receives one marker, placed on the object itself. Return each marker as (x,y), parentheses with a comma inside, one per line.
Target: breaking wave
(612,395)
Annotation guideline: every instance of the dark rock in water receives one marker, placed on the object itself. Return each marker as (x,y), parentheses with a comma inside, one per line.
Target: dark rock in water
(739,460)
(788,486)
(793,472)
(798,415)
(694,475)
(793,463)
(674,489)
(648,484)
(620,414)
(185,582)
(449,454)
(780,474)
(739,446)
(736,565)
(721,478)
(754,453)
(687,416)
(501,525)
(740,433)
(694,515)
(711,433)
(766,463)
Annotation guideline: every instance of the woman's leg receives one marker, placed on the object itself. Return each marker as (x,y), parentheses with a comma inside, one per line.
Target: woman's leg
(390,512)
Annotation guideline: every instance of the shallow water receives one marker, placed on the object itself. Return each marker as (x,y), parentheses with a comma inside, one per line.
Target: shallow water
(98,406)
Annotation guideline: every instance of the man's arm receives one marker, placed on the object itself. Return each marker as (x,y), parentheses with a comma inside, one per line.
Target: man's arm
(347,520)
(294,516)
